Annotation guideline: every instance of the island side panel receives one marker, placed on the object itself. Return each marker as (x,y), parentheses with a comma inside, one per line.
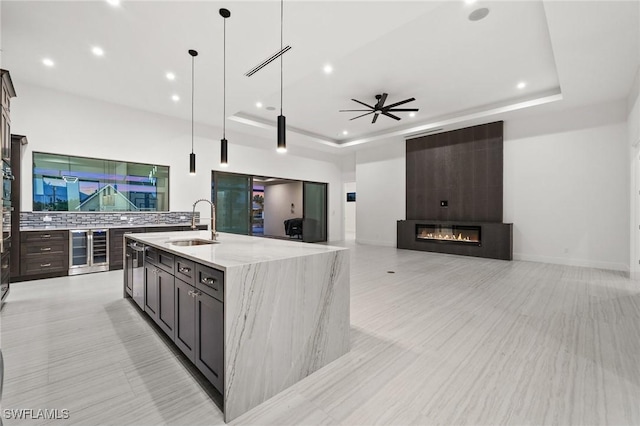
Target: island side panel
(284,320)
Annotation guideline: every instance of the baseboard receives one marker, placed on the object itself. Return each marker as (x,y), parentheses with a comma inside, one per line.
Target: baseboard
(375,242)
(613,266)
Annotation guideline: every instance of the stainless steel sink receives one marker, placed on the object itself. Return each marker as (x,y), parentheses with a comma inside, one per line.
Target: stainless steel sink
(194,242)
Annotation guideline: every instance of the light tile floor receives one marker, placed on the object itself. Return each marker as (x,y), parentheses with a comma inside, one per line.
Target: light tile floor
(443,340)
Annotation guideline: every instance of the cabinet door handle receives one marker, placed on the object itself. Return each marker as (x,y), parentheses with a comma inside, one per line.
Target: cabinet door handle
(208,281)
(190,293)
(184,269)
(45,265)
(45,248)
(45,236)
(127,255)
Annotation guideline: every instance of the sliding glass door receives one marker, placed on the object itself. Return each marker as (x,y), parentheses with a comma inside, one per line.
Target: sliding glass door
(232,196)
(314,225)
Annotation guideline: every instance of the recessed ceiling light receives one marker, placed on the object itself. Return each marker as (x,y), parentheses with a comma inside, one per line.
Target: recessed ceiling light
(344,132)
(412,114)
(479,14)
(521,85)
(114,2)
(96,50)
(328,69)
(171,76)
(48,62)
(175,98)
(258,104)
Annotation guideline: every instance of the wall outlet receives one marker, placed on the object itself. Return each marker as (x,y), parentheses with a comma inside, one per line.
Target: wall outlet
(123,218)
(46,219)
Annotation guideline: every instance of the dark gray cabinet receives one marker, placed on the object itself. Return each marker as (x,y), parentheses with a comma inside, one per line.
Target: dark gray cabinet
(209,354)
(166,306)
(186,299)
(185,324)
(159,297)
(151,290)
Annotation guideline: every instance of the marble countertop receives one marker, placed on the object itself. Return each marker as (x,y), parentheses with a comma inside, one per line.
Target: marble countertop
(127,225)
(232,250)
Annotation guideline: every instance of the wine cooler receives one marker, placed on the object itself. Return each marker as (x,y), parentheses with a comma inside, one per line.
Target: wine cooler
(88,251)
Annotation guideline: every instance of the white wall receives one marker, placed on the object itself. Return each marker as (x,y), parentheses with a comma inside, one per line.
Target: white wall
(349,209)
(380,177)
(62,123)
(277,206)
(566,186)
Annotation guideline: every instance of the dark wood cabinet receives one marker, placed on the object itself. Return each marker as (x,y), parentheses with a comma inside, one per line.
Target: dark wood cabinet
(186,299)
(116,246)
(7,92)
(159,297)
(151,290)
(185,324)
(166,305)
(209,355)
(44,253)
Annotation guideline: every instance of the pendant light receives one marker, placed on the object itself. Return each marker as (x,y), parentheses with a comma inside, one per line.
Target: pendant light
(192,156)
(223,142)
(282,121)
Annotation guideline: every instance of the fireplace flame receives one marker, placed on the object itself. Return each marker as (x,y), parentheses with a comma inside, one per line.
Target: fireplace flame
(432,236)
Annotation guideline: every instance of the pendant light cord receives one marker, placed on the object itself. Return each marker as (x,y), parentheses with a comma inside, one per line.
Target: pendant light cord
(192,91)
(224,81)
(281,44)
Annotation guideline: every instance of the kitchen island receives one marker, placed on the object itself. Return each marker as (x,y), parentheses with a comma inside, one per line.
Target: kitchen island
(267,312)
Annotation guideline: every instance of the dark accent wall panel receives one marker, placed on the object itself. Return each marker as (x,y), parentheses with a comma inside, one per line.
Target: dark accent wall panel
(462,167)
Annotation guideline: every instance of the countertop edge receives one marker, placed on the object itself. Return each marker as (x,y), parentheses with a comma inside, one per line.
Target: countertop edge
(140,238)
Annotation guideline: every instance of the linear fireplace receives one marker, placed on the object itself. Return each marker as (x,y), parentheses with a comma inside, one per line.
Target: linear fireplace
(492,240)
(454,234)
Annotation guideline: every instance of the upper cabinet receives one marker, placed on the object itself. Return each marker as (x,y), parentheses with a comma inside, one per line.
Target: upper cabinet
(7,92)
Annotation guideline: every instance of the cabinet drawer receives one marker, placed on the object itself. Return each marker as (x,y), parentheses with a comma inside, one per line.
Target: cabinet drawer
(165,261)
(29,236)
(210,281)
(151,256)
(44,247)
(44,264)
(185,270)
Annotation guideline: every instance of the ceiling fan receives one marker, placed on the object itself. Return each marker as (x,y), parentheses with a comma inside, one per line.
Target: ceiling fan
(379,108)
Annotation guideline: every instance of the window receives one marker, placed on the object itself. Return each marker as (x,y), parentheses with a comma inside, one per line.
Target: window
(77,184)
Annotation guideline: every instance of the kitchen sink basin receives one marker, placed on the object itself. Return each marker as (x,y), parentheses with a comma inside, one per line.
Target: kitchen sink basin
(194,242)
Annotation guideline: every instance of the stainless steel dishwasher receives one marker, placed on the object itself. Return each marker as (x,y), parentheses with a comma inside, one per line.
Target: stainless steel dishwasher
(136,272)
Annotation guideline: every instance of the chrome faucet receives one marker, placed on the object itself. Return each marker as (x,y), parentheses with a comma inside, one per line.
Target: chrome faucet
(213,217)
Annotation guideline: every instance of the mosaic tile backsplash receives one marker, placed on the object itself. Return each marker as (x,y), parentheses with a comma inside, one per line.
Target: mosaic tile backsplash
(34,220)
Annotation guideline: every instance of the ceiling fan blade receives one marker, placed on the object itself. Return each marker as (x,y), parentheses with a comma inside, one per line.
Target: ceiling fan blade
(360,116)
(400,103)
(391,115)
(362,103)
(375,117)
(381,101)
(353,110)
(401,109)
